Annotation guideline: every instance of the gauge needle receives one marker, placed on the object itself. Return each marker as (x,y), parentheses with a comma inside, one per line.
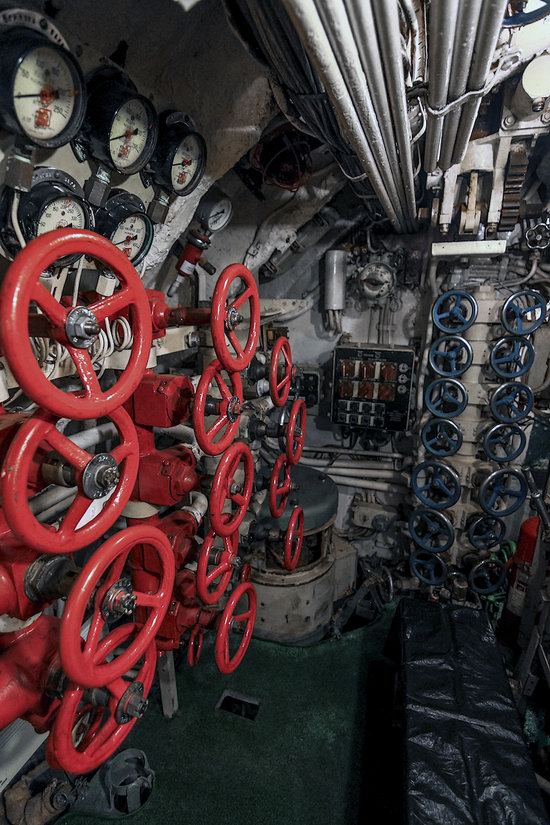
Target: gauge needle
(125,135)
(127,240)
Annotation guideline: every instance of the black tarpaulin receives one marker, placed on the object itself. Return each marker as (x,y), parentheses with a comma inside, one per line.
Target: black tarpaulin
(466,760)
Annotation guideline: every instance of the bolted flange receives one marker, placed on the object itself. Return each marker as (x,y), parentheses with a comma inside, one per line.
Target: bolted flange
(100,476)
(132,705)
(81,327)
(119,600)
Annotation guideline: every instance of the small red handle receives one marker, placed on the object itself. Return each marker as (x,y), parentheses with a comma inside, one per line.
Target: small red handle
(40,432)
(86,734)
(230,619)
(216,438)
(212,582)
(280,374)
(102,582)
(22,287)
(226,318)
(294,538)
(226,490)
(296,431)
(280,485)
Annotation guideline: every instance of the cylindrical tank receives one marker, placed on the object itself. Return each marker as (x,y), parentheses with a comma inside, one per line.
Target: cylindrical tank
(335,279)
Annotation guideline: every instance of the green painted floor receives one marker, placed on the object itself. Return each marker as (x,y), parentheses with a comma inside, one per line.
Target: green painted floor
(301,762)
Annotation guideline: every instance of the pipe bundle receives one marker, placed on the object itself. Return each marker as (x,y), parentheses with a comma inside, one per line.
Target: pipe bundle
(340,65)
(462,37)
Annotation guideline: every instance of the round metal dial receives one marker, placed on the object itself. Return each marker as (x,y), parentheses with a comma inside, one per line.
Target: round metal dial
(124,221)
(214,210)
(179,160)
(43,93)
(132,235)
(55,201)
(121,126)
(187,164)
(60,213)
(128,134)
(43,97)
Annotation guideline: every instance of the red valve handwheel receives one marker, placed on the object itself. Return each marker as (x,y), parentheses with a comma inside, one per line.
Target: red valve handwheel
(219,435)
(226,489)
(212,584)
(296,431)
(84,735)
(40,431)
(246,572)
(194,645)
(229,620)
(279,387)
(225,318)
(22,287)
(294,537)
(280,485)
(102,583)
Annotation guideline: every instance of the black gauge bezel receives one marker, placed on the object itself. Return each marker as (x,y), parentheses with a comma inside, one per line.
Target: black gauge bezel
(206,207)
(19,43)
(118,207)
(172,132)
(108,90)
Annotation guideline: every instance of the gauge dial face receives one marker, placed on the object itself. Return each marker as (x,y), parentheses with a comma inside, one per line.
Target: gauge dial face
(62,213)
(132,235)
(219,215)
(186,162)
(44,93)
(128,135)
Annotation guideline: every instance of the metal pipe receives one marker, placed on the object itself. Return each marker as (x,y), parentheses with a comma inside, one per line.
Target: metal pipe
(362,21)
(307,23)
(94,436)
(344,46)
(442,26)
(388,30)
(463,49)
(488,30)
(50,497)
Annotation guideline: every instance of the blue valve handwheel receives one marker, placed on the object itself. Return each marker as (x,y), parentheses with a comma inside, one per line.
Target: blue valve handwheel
(503,492)
(441,437)
(450,356)
(512,402)
(429,568)
(487,576)
(431,531)
(436,484)
(446,397)
(454,311)
(512,356)
(485,532)
(504,442)
(524,312)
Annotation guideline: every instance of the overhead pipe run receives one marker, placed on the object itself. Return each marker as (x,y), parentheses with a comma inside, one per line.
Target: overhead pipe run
(306,19)
(462,38)
(463,48)
(361,74)
(442,26)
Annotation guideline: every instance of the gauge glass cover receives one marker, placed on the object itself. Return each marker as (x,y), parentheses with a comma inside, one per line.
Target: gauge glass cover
(128,134)
(43,93)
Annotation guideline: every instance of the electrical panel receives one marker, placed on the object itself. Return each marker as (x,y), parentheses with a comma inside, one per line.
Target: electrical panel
(371,386)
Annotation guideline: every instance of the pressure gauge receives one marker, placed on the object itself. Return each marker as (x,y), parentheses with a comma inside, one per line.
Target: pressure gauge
(54,201)
(124,221)
(214,210)
(42,95)
(179,160)
(121,126)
